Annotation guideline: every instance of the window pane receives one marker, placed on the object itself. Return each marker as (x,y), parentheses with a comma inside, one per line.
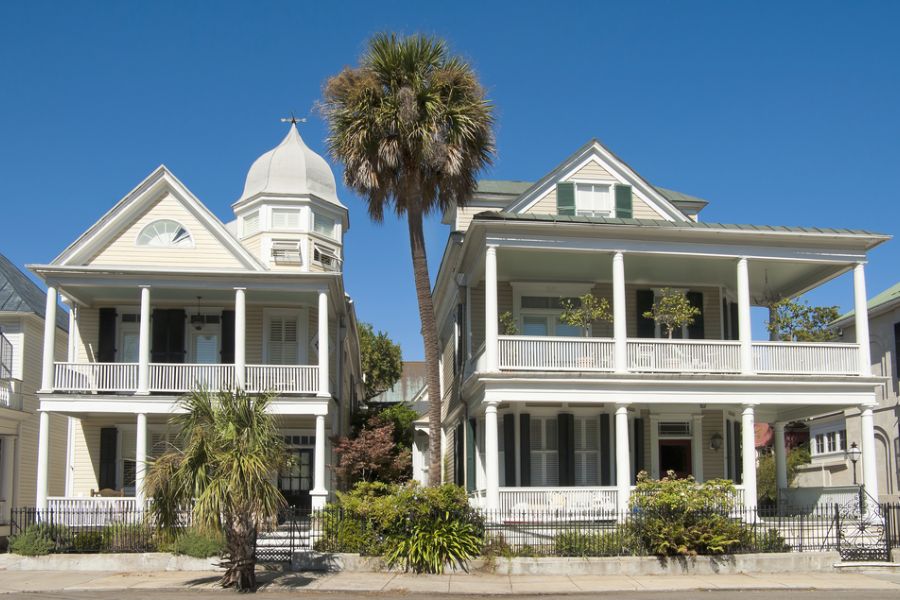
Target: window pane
(323,225)
(130,350)
(206,349)
(534,326)
(567,330)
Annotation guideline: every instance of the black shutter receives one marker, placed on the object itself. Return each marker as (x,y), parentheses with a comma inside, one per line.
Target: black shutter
(638,446)
(470,454)
(108,443)
(227,353)
(726,328)
(646,328)
(458,462)
(624,202)
(168,336)
(565,199)
(738,454)
(106,342)
(696,330)
(605,472)
(566,447)
(525,449)
(729,470)
(159,336)
(509,449)
(735,329)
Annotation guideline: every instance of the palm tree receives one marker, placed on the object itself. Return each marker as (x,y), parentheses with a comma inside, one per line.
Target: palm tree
(412,127)
(231,449)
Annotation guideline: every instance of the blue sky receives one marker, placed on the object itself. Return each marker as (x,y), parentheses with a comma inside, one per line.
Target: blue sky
(778,113)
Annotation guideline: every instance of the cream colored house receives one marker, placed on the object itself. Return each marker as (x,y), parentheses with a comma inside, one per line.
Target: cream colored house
(544,417)
(21,340)
(166,298)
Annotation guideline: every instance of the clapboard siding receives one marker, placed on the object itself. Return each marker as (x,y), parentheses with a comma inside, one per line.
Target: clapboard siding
(592,170)
(504,304)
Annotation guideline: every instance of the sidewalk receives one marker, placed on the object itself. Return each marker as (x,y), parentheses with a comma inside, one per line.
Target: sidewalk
(70,581)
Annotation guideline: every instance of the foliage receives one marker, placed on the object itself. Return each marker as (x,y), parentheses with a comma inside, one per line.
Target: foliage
(232,447)
(767,541)
(402,418)
(680,517)
(672,310)
(433,543)
(413,128)
(798,321)
(199,543)
(88,541)
(373,454)
(382,361)
(508,324)
(37,540)
(619,542)
(766,485)
(128,537)
(584,311)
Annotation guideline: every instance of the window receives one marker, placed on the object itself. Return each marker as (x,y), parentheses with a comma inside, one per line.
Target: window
(832,440)
(285,218)
(286,252)
(544,451)
(594,200)
(541,316)
(323,225)
(165,233)
(129,338)
(587,454)
(675,429)
(325,256)
(282,346)
(251,224)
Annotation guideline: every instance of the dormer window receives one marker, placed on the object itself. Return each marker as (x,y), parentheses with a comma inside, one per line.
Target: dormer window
(165,233)
(323,225)
(286,252)
(326,257)
(594,200)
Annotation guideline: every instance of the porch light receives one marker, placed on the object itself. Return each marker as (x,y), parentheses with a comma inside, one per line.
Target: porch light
(197,319)
(715,442)
(853,453)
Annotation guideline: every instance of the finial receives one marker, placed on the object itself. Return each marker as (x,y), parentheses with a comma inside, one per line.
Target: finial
(293,120)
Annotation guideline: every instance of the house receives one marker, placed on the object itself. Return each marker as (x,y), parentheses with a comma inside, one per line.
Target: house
(831,434)
(22,325)
(165,298)
(538,416)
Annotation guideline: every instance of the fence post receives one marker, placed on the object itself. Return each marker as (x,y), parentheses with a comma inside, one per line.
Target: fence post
(837,527)
(885,510)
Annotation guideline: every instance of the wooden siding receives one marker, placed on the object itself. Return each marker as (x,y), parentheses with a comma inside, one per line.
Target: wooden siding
(208,252)
(592,170)
(504,304)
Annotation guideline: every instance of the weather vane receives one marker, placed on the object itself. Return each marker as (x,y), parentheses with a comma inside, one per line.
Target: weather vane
(293,120)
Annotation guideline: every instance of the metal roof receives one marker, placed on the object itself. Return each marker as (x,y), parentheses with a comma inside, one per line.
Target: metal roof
(891,294)
(511,187)
(18,293)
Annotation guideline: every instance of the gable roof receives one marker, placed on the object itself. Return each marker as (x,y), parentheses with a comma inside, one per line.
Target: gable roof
(122,214)
(20,294)
(877,303)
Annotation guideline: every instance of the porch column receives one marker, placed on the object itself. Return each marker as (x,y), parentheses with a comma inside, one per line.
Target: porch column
(781,481)
(748,456)
(492,458)
(319,493)
(623,462)
(869,466)
(745,333)
(240,336)
(491,327)
(620,331)
(49,340)
(43,457)
(144,343)
(861,315)
(324,380)
(697,447)
(140,460)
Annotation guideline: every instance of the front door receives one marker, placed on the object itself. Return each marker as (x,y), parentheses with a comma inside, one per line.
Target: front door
(296,481)
(675,455)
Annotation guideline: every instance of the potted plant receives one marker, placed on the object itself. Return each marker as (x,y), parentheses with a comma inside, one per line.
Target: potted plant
(508,324)
(583,312)
(672,310)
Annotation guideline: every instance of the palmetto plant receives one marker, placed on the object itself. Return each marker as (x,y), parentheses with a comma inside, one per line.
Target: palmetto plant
(412,127)
(224,472)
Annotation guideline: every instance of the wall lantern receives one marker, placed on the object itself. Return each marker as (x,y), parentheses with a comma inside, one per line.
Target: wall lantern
(715,442)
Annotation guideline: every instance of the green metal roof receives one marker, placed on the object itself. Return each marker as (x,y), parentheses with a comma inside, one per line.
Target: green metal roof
(502,186)
(676,197)
(888,295)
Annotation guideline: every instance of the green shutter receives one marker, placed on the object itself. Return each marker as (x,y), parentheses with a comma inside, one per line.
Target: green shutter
(565,199)
(623,202)
(509,449)
(525,449)
(470,455)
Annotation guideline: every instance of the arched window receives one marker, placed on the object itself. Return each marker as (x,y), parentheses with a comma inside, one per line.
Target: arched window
(165,233)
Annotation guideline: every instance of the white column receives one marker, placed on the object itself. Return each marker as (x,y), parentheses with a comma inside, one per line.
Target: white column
(43,458)
(324,380)
(697,447)
(745,333)
(491,456)
(319,493)
(140,460)
(49,340)
(781,481)
(144,343)
(748,456)
(861,314)
(7,468)
(491,327)
(869,466)
(623,462)
(620,331)
(240,337)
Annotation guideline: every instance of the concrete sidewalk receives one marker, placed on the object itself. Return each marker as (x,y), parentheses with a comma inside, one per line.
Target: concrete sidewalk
(62,581)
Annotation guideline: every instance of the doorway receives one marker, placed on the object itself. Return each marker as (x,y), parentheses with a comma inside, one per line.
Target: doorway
(675,455)
(296,481)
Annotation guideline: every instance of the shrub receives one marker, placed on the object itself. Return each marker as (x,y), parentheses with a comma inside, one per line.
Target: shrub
(766,541)
(128,537)
(199,544)
(619,542)
(38,540)
(435,542)
(348,533)
(88,541)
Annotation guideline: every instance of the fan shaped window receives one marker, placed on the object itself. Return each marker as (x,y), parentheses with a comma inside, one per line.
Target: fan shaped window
(165,233)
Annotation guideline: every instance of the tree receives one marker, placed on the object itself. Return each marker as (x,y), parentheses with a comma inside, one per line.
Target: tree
(413,128)
(584,311)
(798,321)
(766,485)
(672,310)
(382,361)
(508,324)
(232,449)
(373,454)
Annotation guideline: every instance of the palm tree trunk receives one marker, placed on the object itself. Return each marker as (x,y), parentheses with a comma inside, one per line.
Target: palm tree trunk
(240,563)
(430,339)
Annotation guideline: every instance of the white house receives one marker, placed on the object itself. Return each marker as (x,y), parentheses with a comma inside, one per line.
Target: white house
(166,298)
(545,418)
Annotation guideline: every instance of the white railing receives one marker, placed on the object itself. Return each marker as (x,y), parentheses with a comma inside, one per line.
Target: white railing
(10,396)
(282,378)
(806,358)
(544,353)
(95,377)
(558,499)
(96,512)
(684,356)
(180,377)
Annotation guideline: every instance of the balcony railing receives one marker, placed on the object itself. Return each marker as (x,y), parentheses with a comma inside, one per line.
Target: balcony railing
(684,356)
(10,396)
(186,377)
(282,378)
(96,377)
(812,358)
(556,353)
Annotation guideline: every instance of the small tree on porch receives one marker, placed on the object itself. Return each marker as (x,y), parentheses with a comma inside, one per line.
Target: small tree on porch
(583,311)
(798,321)
(672,310)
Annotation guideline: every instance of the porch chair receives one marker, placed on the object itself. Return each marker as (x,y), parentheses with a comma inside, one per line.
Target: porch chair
(108,493)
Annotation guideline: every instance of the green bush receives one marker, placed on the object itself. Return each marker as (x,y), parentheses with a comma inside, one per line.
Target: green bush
(766,541)
(128,537)
(88,541)
(198,544)
(619,542)
(434,543)
(38,540)
(348,533)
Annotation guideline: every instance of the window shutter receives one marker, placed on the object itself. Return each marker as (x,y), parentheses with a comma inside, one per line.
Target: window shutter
(509,454)
(108,442)
(738,454)
(735,328)
(459,458)
(566,445)
(646,328)
(525,449)
(638,446)
(226,356)
(729,469)
(605,472)
(168,336)
(624,202)
(696,330)
(565,199)
(586,451)
(106,343)
(470,454)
